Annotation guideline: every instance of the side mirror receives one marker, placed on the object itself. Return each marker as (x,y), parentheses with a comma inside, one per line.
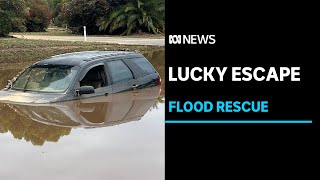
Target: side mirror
(85,90)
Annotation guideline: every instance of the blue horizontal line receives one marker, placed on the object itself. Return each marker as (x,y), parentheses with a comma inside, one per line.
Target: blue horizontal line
(238,122)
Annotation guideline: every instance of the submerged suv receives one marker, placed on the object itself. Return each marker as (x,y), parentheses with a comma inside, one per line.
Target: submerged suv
(81,75)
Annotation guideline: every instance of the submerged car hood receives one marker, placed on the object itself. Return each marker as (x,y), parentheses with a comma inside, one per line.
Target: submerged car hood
(13,96)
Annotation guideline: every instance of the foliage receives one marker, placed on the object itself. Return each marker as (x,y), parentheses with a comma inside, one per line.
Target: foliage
(115,3)
(31,15)
(79,13)
(5,24)
(135,16)
(99,16)
(16,10)
(39,16)
(55,8)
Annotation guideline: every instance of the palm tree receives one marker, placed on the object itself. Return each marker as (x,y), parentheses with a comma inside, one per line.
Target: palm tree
(135,16)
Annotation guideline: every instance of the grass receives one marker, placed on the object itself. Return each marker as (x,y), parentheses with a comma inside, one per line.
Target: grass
(21,51)
(64,32)
(48,32)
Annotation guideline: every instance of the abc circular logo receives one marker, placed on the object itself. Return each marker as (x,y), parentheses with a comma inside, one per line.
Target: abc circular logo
(192,39)
(174,39)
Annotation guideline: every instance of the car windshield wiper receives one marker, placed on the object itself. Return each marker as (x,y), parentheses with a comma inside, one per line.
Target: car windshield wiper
(25,86)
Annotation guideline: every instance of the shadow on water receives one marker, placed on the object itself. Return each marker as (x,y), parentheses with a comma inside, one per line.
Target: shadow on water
(48,123)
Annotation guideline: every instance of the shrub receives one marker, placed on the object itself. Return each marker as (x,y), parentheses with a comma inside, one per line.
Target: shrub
(16,10)
(5,24)
(55,7)
(79,13)
(115,3)
(135,16)
(39,16)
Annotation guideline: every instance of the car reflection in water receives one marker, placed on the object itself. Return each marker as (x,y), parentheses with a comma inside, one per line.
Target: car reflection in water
(48,122)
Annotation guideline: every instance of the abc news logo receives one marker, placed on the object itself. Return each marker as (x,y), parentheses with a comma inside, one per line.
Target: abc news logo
(192,39)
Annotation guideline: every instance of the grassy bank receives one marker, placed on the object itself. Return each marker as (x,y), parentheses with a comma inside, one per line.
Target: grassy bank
(21,52)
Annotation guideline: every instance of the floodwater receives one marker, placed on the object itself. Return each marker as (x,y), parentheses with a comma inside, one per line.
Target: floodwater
(117,137)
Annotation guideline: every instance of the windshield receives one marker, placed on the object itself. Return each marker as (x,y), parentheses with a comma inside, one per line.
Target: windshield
(50,78)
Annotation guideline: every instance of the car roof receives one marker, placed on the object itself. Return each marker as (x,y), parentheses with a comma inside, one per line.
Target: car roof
(80,58)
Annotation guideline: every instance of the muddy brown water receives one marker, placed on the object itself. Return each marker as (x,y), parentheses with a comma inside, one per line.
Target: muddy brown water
(120,136)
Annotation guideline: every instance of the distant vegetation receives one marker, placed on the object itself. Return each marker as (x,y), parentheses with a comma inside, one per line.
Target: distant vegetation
(135,16)
(39,15)
(24,15)
(120,17)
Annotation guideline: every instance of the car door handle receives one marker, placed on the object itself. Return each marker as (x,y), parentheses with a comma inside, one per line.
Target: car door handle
(135,86)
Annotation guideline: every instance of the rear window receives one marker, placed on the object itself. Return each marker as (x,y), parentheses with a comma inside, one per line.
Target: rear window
(119,71)
(144,65)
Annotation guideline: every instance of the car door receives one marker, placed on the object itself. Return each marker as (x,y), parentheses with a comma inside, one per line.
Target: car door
(95,75)
(122,77)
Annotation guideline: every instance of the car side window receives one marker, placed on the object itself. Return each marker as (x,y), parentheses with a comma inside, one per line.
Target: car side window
(95,77)
(119,71)
(144,65)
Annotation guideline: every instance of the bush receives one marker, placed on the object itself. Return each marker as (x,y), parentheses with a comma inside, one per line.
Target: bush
(79,13)
(5,24)
(39,16)
(16,10)
(135,16)
(115,3)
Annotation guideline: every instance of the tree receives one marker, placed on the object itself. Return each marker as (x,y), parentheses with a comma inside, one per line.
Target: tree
(16,11)
(55,8)
(79,13)
(115,3)
(39,15)
(5,24)
(135,16)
